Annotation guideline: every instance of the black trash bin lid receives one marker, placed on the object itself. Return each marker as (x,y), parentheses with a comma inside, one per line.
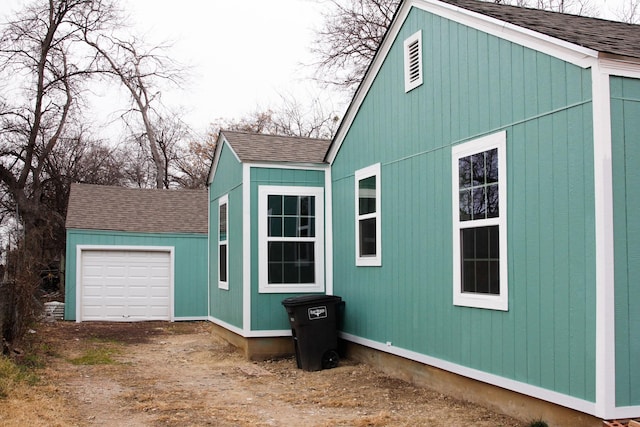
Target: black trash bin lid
(310,299)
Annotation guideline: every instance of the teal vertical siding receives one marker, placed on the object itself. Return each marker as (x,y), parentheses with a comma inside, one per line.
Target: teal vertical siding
(267,312)
(190,265)
(625,123)
(476,84)
(226,305)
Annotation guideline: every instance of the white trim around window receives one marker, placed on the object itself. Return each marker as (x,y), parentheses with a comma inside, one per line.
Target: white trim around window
(367,216)
(290,239)
(223,242)
(479,184)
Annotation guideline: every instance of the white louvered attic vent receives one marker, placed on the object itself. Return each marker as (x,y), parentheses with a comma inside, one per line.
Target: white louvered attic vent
(413,61)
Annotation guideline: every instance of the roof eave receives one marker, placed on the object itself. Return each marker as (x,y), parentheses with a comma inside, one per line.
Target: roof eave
(576,54)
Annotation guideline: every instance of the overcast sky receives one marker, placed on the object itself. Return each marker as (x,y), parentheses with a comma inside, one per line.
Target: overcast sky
(244,54)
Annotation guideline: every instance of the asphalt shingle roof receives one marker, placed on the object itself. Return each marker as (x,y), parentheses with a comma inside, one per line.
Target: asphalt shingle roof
(601,35)
(100,207)
(253,147)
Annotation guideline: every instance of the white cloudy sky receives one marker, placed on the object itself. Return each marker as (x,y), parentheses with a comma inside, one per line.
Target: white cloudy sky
(243,54)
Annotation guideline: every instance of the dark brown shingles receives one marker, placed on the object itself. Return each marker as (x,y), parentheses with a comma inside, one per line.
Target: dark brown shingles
(601,35)
(253,147)
(99,207)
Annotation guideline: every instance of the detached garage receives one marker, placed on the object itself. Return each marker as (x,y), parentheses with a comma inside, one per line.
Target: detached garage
(136,254)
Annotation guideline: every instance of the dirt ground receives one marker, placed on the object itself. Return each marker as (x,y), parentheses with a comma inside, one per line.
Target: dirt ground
(181,374)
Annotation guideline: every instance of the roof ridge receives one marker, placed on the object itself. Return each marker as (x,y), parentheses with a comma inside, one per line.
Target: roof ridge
(274,135)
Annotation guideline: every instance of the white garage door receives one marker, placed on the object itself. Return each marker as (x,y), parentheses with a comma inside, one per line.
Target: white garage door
(125,285)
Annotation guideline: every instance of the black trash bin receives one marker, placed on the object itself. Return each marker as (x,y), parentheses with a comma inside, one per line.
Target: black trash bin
(314,329)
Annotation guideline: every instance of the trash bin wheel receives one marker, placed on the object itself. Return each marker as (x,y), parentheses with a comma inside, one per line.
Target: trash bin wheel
(330,359)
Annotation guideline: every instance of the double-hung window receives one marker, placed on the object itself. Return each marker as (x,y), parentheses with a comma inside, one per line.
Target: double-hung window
(479,223)
(223,245)
(291,239)
(367,191)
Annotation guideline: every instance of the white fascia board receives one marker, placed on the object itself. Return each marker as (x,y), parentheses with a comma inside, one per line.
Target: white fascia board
(290,165)
(620,67)
(509,384)
(569,52)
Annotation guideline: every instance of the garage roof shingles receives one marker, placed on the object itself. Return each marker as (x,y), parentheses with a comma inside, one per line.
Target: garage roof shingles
(254,147)
(100,207)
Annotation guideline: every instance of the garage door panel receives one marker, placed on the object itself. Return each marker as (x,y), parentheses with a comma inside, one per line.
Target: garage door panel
(125,285)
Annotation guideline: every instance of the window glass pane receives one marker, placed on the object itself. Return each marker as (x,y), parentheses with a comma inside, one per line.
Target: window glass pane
(275,226)
(468,276)
(368,237)
(481,242)
(482,277)
(494,277)
(222,215)
(492,165)
(223,263)
(494,242)
(297,265)
(480,260)
(290,226)
(492,201)
(466,211)
(468,243)
(274,205)
(477,167)
(305,206)
(479,205)
(464,172)
(275,273)
(275,251)
(291,205)
(367,195)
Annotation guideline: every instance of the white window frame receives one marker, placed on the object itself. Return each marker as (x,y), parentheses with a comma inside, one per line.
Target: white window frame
(263,239)
(495,302)
(224,200)
(371,261)
(409,83)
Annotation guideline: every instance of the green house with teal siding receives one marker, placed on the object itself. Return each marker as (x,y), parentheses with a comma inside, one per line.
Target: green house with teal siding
(477,213)
(484,182)
(268,233)
(136,254)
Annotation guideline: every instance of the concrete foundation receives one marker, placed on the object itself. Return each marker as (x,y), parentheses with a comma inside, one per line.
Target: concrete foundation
(258,348)
(504,401)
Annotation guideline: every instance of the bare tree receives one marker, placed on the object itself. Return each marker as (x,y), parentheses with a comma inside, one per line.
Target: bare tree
(629,12)
(349,39)
(141,72)
(42,45)
(291,117)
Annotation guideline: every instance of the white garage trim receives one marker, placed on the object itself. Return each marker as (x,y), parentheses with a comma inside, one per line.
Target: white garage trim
(81,249)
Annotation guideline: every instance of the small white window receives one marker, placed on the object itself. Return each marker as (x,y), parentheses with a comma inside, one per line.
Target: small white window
(223,245)
(367,191)
(479,181)
(413,61)
(291,239)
